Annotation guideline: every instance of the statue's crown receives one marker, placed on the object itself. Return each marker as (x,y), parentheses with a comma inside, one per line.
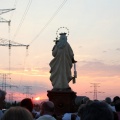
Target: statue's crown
(62,34)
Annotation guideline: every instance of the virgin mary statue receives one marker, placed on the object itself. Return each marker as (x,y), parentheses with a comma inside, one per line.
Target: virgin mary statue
(61,64)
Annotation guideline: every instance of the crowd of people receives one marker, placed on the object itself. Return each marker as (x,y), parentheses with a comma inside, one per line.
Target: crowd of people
(107,109)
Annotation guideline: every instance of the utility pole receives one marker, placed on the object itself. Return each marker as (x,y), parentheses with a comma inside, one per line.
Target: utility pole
(27,92)
(95,91)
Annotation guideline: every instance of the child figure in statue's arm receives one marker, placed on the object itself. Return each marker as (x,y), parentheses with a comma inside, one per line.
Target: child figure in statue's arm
(56,41)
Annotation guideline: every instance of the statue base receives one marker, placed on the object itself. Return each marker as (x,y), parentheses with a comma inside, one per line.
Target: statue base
(64,101)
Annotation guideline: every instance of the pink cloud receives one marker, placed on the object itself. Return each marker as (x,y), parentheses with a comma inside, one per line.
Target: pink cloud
(98,69)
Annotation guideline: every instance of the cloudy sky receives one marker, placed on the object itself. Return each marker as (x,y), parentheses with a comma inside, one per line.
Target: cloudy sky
(94,35)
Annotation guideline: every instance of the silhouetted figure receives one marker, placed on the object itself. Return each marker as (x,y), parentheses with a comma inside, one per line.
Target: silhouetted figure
(116,99)
(109,102)
(17,113)
(96,111)
(28,104)
(47,111)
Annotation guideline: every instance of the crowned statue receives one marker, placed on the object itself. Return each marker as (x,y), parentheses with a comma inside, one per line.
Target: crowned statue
(61,65)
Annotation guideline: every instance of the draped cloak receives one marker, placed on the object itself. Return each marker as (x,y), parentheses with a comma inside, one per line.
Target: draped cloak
(61,65)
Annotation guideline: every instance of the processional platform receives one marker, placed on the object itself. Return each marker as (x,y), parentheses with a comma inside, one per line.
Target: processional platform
(64,101)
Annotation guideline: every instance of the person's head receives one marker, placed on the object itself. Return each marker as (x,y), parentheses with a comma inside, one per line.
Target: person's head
(27,103)
(79,100)
(85,100)
(108,100)
(115,99)
(47,107)
(2,98)
(96,111)
(17,113)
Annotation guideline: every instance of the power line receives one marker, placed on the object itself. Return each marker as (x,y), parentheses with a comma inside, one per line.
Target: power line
(22,19)
(14,6)
(49,21)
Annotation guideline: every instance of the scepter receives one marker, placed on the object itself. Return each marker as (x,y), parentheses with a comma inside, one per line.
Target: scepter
(75,73)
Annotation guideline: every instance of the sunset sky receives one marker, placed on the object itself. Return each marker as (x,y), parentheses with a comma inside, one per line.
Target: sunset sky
(94,35)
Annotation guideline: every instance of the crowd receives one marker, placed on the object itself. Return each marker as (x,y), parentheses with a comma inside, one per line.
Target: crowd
(107,109)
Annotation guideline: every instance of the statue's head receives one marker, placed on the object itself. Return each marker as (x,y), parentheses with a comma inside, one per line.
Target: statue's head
(62,40)
(63,36)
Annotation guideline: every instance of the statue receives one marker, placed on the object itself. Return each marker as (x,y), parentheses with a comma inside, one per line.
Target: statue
(61,64)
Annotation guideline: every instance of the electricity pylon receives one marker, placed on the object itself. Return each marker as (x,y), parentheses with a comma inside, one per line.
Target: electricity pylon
(5,42)
(4,84)
(9,43)
(2,11)
(27,92)
(95,91)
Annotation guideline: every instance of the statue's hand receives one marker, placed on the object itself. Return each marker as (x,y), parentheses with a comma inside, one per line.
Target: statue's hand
(74,61)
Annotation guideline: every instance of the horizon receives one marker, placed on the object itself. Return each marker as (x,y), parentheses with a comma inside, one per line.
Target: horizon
(93,35)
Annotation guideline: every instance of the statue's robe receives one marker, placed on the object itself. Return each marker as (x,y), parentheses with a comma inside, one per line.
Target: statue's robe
(61,66)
